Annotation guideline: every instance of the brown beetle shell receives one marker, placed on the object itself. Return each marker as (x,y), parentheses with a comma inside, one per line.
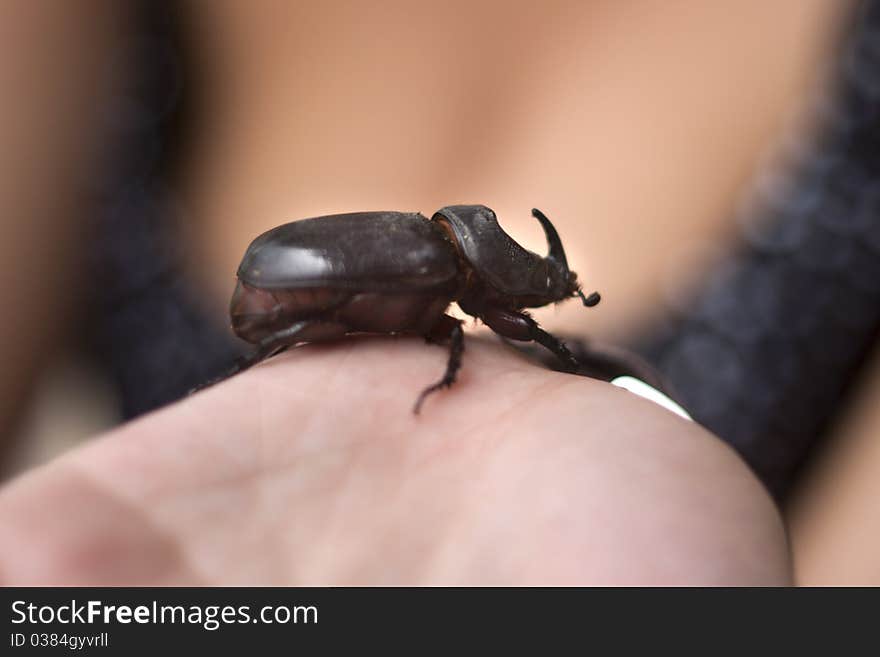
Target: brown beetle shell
(364,272)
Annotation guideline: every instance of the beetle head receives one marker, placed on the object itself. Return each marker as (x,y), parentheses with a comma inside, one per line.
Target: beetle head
(562,280)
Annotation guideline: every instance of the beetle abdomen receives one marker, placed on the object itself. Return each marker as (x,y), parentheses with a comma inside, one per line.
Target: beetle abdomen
(256,313)
(377,251)
(375,312)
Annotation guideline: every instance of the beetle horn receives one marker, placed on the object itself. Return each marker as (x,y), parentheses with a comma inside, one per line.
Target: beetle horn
(557,253)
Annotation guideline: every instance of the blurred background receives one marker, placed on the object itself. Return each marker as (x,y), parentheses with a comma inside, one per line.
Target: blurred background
(712,167)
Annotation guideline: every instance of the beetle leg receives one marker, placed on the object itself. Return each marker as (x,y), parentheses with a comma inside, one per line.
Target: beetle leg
(451,327)
(519,326)
(240,365)
(557,346)
(305,331)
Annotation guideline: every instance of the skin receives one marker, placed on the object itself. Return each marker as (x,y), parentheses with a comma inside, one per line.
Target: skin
(834,518)
(310,469)
(634,125)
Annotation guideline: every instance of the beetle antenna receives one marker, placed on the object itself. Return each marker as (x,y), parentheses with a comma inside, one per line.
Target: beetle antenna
(591,300)
(557,253)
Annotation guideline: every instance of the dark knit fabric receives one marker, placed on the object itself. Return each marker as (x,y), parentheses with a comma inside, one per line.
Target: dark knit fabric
(147,325)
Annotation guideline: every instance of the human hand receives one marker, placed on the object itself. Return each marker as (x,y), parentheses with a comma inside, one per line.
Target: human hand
(311,469)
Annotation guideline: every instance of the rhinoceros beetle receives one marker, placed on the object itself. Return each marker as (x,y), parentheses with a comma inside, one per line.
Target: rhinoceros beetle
(394,272)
